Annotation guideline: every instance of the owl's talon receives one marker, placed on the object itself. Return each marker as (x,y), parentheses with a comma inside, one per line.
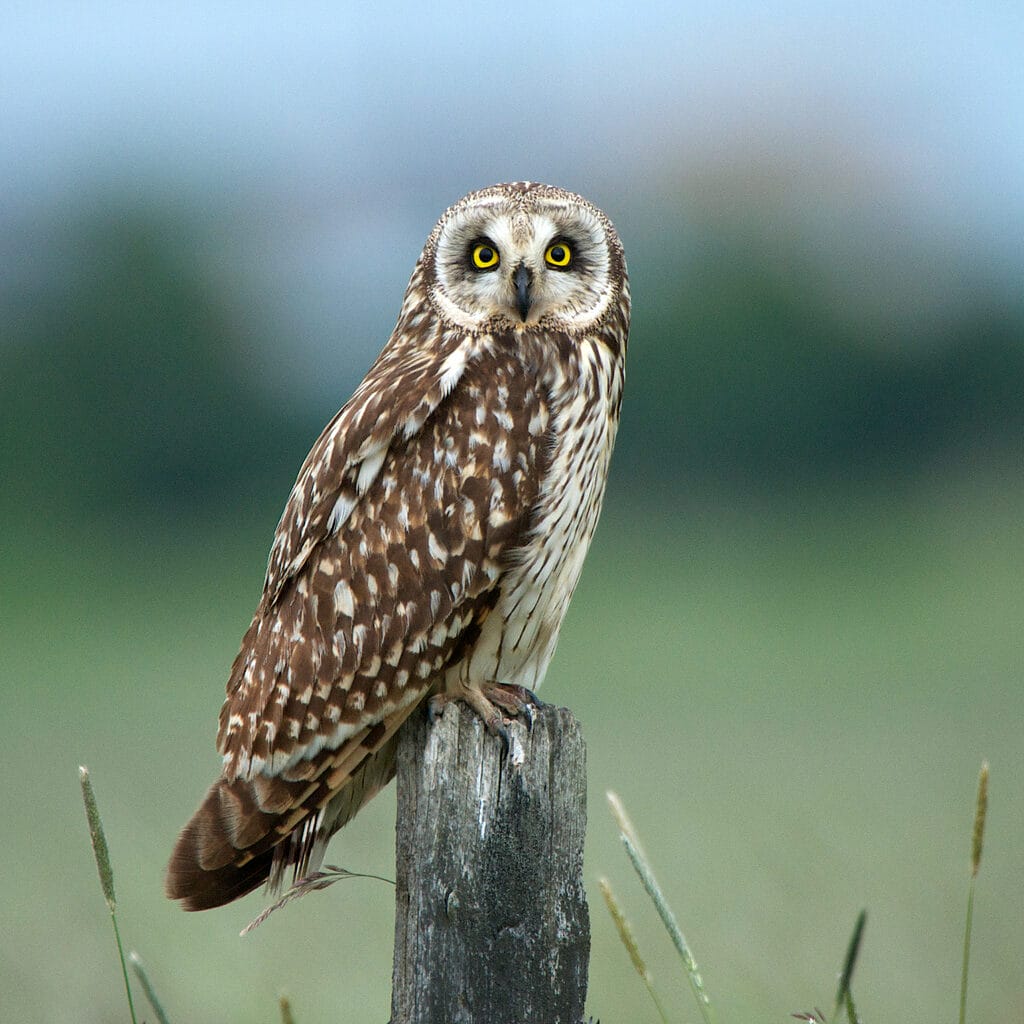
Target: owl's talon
(500,730)
(531,702)
(512,699)
(527,713)
(532,699)
(435,707)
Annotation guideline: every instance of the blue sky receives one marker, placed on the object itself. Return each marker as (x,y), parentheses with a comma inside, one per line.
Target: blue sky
(324,139)
(338,88)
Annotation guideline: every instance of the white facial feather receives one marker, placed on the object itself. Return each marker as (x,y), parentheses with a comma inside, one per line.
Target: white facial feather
(573,298)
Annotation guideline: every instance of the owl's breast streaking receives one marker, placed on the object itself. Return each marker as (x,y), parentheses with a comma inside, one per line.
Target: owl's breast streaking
(579,392)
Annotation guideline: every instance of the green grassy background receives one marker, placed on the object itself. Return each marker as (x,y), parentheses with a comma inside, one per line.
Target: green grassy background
(792,696)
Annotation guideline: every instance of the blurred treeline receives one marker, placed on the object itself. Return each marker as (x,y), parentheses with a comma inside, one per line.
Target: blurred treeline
(760,354)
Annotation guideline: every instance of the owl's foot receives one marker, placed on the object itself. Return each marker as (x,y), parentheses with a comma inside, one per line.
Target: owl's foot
(515,701)
(495,703)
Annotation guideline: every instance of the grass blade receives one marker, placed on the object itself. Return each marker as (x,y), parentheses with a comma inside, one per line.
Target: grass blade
(977,839)
(286,1010)
(629,941)
(140,972)
(849,963)
(630,840)
(313,882)
(851,1010)
(102,855)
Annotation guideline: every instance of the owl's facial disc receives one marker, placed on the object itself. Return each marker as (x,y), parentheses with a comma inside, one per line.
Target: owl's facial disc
(499,265)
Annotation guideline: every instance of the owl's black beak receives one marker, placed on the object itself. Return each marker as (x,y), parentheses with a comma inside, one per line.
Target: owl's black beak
(522,282)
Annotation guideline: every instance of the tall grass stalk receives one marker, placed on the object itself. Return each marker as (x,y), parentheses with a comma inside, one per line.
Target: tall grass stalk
(630,840)
(286,1010)
(844,998)
(102,855)
(629,941)
(851,1010)
(140,972)
(977,839)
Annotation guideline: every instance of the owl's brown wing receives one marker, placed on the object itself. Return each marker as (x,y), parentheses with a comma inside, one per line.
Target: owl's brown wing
(364,608)
(400,391)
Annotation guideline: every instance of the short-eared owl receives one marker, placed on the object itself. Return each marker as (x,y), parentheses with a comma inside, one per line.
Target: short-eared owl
(434,536)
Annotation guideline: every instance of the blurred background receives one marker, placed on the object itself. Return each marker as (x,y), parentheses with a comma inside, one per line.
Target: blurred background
(799,631)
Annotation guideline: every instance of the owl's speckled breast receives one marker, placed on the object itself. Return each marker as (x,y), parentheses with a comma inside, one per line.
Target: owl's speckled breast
(582,392)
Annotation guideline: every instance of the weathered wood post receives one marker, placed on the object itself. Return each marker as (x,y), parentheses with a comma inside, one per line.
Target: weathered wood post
(491,921)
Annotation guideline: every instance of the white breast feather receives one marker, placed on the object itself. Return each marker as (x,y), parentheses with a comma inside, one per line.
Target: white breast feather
(518,639)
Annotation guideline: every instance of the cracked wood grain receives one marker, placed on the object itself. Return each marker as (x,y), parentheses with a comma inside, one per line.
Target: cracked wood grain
(491,921)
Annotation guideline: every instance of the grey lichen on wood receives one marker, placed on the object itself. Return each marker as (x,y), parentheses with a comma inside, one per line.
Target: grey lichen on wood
(491,920)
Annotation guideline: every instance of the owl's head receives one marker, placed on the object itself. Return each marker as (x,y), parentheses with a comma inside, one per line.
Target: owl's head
(524,254)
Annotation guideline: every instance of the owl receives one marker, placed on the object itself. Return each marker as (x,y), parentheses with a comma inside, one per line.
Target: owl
(434,535)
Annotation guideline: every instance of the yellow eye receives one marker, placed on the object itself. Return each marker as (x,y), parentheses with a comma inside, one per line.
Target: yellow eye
(485,257)
(558,255)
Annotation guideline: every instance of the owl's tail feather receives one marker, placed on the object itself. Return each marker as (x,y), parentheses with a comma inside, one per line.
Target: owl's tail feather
(250,831)
(203,872)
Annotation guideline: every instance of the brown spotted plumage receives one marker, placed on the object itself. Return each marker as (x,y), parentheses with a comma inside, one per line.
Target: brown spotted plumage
(434,535)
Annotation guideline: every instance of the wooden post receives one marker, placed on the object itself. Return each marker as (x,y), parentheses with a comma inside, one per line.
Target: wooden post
(491,921)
